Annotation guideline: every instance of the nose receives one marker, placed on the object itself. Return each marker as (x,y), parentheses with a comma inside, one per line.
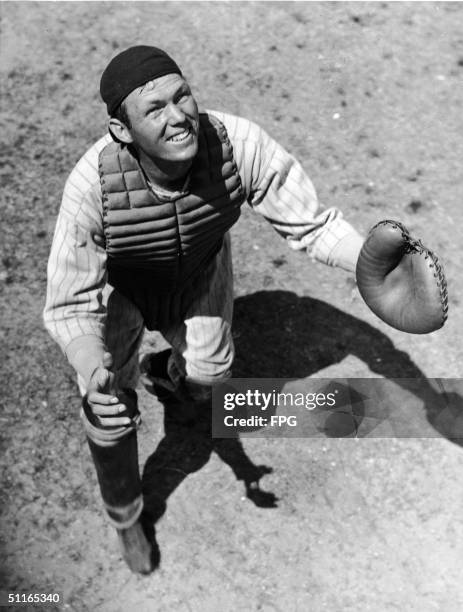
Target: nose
(175,113)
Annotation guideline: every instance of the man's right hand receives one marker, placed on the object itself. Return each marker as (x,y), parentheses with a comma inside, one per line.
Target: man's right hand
(101,398)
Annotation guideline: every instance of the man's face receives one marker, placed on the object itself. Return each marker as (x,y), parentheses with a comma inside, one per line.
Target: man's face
(164,119)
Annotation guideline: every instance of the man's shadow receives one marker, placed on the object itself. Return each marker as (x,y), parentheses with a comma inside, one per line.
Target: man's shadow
(280,335)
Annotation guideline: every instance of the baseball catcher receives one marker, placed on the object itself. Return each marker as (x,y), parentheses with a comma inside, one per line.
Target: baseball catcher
(142,241)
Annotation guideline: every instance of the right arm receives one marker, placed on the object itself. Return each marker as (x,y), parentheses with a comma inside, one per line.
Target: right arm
(74,313)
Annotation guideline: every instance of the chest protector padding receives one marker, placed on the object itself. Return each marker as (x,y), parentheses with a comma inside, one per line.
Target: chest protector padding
(157,247)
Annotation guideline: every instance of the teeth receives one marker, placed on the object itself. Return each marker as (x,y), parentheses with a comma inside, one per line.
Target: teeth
(181,136)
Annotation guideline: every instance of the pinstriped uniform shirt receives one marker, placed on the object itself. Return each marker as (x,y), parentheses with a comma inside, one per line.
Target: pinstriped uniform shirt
(275,186)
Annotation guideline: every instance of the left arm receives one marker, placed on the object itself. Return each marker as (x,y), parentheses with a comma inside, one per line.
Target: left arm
(277,187)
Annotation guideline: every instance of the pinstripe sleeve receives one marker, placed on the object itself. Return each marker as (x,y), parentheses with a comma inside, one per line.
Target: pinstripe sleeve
(76,274)
(278,188)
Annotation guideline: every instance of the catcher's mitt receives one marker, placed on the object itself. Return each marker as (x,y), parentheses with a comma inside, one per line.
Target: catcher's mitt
(401,280)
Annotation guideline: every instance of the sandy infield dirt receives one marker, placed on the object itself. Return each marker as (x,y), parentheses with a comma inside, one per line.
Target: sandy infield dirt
(369,97)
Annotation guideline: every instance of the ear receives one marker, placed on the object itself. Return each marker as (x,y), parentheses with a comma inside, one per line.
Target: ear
(120,130)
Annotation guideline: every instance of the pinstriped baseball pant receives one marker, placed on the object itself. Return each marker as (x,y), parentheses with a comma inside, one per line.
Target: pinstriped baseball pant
(202,354)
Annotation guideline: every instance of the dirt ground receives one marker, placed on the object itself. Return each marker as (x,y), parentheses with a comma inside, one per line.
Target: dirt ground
(369,97)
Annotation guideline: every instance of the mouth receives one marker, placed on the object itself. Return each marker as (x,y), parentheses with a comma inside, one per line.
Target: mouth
(181,136)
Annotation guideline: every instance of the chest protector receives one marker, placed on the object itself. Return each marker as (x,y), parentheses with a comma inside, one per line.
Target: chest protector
(156,248)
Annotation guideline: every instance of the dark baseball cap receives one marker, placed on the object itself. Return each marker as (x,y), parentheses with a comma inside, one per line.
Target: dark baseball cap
(133,68)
